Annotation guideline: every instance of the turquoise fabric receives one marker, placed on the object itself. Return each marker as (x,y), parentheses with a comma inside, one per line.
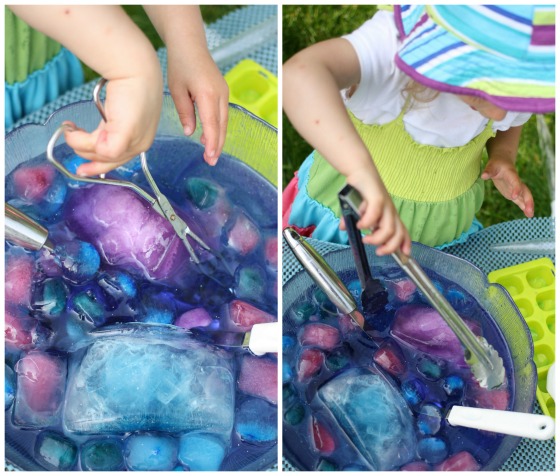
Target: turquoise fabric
(62,73)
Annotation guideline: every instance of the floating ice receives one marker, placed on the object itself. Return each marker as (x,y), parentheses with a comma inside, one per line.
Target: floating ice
(429,419)
(373,415)
(259,377)
(41,379)
(462,461)
(390,358)
(198,317)
(147,452)
(55,452)
(244,315)
(244,235)
(294,415)
(49,298)
(309,363)
(144,378)
(18,278)
(255,421)
(118,284)
(201,451)
(432,450)
(322,439)
(78,260)
(319,335)
(250,283)
(102,455)
(17,330)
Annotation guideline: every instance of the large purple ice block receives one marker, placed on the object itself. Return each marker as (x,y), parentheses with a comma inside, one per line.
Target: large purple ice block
(424,329)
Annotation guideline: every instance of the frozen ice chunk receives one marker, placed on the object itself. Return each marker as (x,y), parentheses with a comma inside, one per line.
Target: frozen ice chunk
(462,461)
(424,329)
(102,455)
(144,377)
(17,330)
(244,236)
(40,382)
(256,421)
(146,452)
(201,451)
(432,450)
(127,232)
(373,415)
(49,298)
(18,278)
(244,316)
(55,452)
(198,317)
(319,335)
(250,283)
(78,260)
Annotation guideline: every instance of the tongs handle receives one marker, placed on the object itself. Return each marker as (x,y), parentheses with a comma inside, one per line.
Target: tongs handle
(350,200)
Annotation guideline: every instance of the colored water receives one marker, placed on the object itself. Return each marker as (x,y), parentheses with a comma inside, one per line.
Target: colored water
(379,403)
(146,386)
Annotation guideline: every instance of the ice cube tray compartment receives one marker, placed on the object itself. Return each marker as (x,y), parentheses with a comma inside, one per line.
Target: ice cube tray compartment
(254,88)
(532,288)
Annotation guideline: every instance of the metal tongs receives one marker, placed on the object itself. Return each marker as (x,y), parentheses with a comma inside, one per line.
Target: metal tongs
(159,201)
(484,361)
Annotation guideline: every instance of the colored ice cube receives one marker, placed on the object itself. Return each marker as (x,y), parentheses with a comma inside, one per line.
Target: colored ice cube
(453,385)
(118,284)
(202,192)
(477,396)
(250,283)
(287,373)
(18,278)
(323,441)
(432,449)
(415,466)
(258,377)
(41,379)
(429,419)
(390,358)
(337,359)
(373,415)
(244,236)
(198,317)
(301,312)
(288,343)
(78,260)
(149,378)
(255,421)
(55,452)
(244,315)
(49,298)
(102,455)
(462,461)
(413,391)
(150,452)
(430,368)
(17,330)
(71,163)
(9,386)
(309,363)
(424,329)
(201,451)
(271,252)
(294,415)
(319,335)
(402,289)
(89,305)
(159,307)
(128,232)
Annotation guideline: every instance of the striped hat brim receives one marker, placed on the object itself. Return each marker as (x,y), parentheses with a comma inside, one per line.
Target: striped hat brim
(439,57)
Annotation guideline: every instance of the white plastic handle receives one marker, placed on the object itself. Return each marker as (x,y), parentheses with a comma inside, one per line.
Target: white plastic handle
(526,425)
(264,338)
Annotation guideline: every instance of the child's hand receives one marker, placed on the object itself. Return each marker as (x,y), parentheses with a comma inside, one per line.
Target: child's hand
(132,108)
(507,181)
(194,78)
(378,213)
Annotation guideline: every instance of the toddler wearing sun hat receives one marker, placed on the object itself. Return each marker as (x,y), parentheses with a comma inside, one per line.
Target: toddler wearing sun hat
(425,89)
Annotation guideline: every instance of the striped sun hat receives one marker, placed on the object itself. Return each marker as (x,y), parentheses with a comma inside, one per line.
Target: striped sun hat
(504,54)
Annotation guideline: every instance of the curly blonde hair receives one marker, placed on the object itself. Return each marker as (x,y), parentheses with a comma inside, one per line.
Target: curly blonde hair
(415,92)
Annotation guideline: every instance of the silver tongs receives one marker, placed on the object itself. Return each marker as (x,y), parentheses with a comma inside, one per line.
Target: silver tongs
(159,201)
(484,361)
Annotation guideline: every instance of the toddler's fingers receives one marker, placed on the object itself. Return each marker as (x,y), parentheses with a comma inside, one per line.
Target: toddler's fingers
(185,109)
(80,140)
(370,217)
(394,243)
(90,169)
(224,110)
(490,171)
(384,232)
(113,146)
(209,110)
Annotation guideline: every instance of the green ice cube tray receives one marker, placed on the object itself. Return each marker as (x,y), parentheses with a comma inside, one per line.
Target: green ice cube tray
(531,286)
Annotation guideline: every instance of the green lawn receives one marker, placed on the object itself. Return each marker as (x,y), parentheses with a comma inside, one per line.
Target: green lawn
(305,25)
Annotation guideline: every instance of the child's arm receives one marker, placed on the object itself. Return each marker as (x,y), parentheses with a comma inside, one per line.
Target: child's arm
(502,153)
(312,82)
(193,76)
(109,42)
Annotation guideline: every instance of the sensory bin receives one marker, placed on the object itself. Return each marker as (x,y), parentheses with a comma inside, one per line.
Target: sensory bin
(254,88)
(111,357)
(532,288)
(361,402)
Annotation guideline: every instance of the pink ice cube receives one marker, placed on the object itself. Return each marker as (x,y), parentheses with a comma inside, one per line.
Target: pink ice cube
(259,377)
(19,279)
(462,461)
(403,289)
(198,317)
(17,331)
(415,466)
(480,397)
(244,316)
(244,236)
(390,358)
(271,252)
(422,328)
(41,381)
(310,362)
(322,336)
(32,183)
(322,438)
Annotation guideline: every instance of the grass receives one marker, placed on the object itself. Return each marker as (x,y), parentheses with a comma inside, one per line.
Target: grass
(305,25)
(210,13)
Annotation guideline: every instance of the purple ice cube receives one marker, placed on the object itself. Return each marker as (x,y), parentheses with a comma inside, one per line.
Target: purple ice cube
(198,317)
(422,328)
(128,233)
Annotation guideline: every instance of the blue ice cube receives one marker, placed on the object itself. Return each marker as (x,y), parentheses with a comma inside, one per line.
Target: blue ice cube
(251,283)
(55,452)
(89,305)
(374,415)
(49,298)
(203,193)
(72,163)
(150,452)
(142,377)
(256,421)
(102,455)
(160,307)
(79,260)
(288,343)
(201,451)
(413,391)
(430,368)
(453,385)
(429,419)
(9,386)
(118,284)
(287,373)
(433,450)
